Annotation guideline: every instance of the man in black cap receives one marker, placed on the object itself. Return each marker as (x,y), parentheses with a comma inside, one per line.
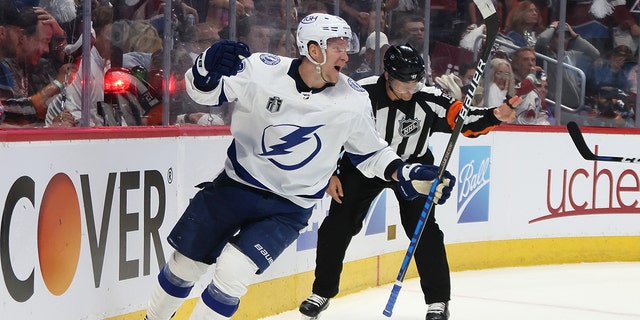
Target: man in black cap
(11,29)
(27,80)
(11,36)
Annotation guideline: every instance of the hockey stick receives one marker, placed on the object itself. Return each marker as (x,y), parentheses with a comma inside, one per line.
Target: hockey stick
(581,145)
(490,17)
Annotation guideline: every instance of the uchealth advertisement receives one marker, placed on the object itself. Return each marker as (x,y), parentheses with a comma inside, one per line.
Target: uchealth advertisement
(84,222)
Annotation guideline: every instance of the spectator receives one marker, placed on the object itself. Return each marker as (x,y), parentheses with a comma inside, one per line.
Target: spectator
(315,6)
(543,91)
(409,30)
(219,11)
(373,18)
(632,77)
(611,71)
(523,64)
(184,111)
(102,19)
(63,11)
(578,53)
(200,10)
(278,44)
(180,27)
(470,42)
(501,82)
(142,37)
(466,72)
(445,25)
(528,77)
(11,36)
(533,109)
(283,16)
(597,21)
(367,67)
(613,103)
(356,13)
(358,65)
(205,35)
(523,24)
(253,31)
(32,79)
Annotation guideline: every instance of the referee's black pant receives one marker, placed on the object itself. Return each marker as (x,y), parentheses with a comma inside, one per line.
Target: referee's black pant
(345,220)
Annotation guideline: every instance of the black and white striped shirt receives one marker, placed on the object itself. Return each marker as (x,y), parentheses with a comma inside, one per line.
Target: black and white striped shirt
(407,125)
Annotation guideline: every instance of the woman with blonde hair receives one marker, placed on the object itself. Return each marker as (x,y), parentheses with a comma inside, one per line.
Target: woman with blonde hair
(501,82)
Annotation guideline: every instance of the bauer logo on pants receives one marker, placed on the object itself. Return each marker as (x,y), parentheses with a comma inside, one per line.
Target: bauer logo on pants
(474,177)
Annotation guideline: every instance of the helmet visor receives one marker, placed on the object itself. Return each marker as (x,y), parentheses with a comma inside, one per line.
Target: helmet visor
(350,45)
(406,87)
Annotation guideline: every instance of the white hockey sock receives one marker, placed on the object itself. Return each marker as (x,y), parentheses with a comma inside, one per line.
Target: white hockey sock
(175,281)
(162,305)
(202,312)
(232,275)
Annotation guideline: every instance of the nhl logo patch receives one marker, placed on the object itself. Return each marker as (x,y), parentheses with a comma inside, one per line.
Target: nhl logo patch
(408,127)
(274,103)
(269,59)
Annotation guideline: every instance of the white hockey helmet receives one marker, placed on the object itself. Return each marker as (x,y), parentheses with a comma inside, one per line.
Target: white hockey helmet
(320,27)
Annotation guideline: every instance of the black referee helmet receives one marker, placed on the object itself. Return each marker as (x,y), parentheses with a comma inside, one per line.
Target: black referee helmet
(403,62)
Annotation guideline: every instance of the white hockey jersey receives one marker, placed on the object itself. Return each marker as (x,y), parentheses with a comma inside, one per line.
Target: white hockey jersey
(287,137)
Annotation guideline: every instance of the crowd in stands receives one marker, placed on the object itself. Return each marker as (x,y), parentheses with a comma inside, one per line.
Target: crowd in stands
(41,78)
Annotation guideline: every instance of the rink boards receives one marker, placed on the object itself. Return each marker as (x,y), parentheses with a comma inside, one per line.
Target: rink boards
(86,213)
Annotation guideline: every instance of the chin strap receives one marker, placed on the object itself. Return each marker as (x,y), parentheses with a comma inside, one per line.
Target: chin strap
(319,65)
(391,88)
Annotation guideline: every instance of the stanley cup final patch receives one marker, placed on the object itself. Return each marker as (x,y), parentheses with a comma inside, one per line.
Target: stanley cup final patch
(408,127)
(274,103)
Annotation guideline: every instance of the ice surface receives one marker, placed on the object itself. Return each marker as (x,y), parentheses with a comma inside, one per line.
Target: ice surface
(587,291)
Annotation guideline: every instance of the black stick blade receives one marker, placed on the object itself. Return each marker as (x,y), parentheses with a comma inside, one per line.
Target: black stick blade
(578,141)
(581,145)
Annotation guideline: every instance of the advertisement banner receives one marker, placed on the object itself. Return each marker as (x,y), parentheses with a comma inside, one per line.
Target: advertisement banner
(84,222)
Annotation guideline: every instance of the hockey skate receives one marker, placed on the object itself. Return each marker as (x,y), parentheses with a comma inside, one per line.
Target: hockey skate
(438,311)
(313,306)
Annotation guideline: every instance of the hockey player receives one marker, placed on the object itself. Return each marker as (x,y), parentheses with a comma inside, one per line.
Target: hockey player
(289,123)
(407,115)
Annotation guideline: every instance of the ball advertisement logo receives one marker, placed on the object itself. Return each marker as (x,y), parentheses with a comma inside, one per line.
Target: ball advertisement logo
(473,184)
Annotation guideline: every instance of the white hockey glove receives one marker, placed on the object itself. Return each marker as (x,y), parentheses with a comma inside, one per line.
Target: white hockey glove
(223,58)
(417,179)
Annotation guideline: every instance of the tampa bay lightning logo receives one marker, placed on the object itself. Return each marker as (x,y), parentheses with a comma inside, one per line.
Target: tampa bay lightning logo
(241,66)
(355,85)
(269,59)
(290,146)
